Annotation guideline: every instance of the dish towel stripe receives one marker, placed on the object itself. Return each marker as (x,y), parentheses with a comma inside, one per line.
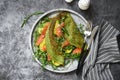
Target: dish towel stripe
(104,50)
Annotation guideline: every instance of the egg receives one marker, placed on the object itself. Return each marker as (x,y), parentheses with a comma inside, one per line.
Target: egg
(41,46)
(55,63)
(84,4)
(68,1)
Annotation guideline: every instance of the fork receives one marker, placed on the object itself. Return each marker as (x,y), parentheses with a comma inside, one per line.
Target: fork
(87,33)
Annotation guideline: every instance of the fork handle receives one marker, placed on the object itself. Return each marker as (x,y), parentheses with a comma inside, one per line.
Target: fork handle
(81,55)
(81,62)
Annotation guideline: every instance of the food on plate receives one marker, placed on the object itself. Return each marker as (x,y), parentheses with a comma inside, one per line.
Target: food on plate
(57,40)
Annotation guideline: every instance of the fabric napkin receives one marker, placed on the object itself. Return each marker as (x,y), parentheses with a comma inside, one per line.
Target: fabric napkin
(104,50)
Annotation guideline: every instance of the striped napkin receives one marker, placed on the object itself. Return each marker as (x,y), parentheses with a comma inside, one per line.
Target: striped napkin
(104,51)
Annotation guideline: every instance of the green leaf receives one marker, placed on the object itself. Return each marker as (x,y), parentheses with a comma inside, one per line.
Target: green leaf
(80,26)
(28,17)
(67,61)
(65,31)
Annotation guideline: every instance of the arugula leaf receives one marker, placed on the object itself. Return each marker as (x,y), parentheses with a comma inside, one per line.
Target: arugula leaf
(46,19)
(80,26)
(28,17)
(65,31)
(67,61)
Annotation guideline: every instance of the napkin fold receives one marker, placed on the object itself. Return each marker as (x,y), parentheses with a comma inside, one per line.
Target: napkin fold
(104,50)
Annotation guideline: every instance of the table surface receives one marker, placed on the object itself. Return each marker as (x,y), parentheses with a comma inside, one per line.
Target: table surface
(16,62)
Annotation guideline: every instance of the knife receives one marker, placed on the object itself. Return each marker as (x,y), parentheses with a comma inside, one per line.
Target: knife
(84,52)
(118,41)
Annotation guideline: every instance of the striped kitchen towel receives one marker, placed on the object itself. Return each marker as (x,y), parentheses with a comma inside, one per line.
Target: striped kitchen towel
(104,50)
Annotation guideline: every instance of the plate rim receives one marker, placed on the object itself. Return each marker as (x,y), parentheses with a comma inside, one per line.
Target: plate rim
(34,26)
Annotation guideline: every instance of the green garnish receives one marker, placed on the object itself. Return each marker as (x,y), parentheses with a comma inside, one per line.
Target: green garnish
(59,39)
(67,61)
(28,16)
(46,19)
(80,26)
(65,31)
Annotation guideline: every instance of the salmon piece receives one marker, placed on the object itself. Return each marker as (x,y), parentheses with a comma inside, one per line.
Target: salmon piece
(59,31)
(42,35)
(77,51)
(65,43)
(48,57)
(44,48)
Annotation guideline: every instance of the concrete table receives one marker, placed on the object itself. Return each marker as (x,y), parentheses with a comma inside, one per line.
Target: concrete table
(16,62)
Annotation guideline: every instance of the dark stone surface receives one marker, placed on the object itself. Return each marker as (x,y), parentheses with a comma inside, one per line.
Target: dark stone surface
(16,61)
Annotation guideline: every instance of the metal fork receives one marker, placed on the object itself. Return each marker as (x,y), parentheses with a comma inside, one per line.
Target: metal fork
(87,33)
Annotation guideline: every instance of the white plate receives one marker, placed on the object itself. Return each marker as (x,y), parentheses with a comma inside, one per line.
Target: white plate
(78,19)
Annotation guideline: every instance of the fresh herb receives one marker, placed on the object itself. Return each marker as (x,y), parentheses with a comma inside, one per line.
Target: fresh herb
(41,56)
(67,61)
(53,66)
(80,26)
(75,56)
(40,25)
(46,19)
(76,30)
(67,55)
(36,49)
(71,56)
(65,31)
(35,35)
(68,47)
(62,19)
(28,17)
(59,39)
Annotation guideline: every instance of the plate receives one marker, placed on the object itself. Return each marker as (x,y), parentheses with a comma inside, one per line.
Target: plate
(78,19)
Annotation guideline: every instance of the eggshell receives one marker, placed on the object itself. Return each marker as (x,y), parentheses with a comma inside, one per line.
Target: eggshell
(68,1)
(84,4)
